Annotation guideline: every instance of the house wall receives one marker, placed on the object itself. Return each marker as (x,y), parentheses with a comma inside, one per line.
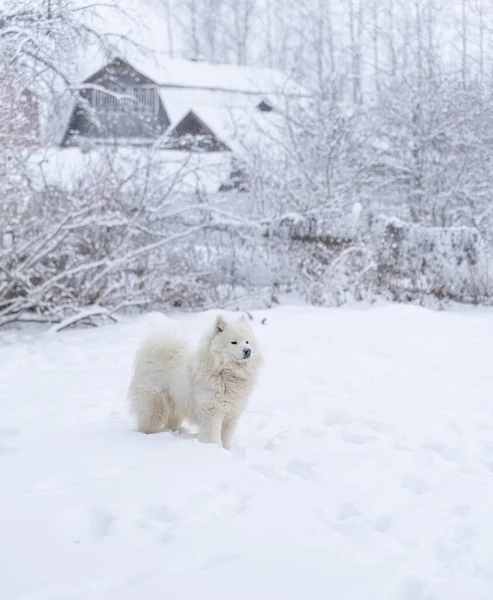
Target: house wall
(90,123)
(19,118)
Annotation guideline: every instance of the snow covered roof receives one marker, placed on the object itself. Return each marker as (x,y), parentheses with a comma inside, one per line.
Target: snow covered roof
(178,102)
(201,76)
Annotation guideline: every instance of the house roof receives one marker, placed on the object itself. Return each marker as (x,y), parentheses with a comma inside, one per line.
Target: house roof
(200,76)
(178,102)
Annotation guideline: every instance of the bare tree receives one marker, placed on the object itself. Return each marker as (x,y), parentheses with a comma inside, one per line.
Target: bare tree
(464,31)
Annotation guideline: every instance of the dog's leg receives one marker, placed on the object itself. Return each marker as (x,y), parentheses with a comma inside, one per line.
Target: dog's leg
(153,414)
(174,422)
(228,429)
(149,424)
(210,429)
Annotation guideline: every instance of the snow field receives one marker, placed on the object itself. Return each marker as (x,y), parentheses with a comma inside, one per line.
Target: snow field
(362,469)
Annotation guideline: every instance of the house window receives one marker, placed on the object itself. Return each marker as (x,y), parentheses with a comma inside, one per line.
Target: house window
(130,99)
(264,107)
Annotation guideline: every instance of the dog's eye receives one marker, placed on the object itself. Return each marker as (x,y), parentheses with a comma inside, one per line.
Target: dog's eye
(234,342)
(247,342)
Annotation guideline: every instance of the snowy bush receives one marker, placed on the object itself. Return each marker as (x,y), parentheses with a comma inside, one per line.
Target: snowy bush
(114,241)
(446,263)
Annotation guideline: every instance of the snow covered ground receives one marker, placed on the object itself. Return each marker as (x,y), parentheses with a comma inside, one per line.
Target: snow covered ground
(362,470)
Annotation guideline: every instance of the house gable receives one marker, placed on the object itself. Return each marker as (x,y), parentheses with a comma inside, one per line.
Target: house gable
(191,133)
(131,110)
(118,73)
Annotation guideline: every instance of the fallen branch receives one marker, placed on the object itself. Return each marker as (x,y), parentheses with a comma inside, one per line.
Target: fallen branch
(88,313)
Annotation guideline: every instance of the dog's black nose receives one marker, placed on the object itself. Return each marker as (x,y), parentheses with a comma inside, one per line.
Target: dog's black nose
(247,352)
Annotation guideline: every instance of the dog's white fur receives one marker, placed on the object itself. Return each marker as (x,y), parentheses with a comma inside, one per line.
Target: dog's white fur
(208,386)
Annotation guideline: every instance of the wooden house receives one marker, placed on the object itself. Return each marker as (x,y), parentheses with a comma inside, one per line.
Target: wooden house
(180,104)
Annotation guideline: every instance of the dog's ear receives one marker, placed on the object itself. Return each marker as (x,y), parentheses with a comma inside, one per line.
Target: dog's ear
(220,324)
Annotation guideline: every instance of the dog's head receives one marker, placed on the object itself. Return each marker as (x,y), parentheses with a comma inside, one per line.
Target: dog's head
(235,343)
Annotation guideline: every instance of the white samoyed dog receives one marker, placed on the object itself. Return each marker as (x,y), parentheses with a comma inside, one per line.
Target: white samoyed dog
(208,386)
